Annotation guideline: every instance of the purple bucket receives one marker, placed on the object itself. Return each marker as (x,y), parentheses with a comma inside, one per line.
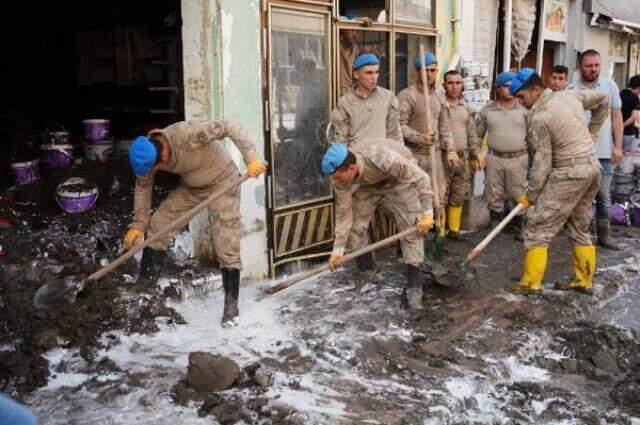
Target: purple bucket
(25,172)
(99,151)
(75,195)
(620,214)
(96,130)
(57,156)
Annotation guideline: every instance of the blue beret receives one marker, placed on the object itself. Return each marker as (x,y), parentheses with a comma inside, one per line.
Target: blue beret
(520,79)
(364,60)
(350,14)
(334,157)
(504,78)
(429,59)
(142,155)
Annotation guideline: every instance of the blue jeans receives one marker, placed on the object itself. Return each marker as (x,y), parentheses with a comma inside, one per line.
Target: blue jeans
(603,197)
(14,413)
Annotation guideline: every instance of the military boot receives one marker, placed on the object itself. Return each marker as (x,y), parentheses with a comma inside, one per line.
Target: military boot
(231,284)
(150,267)
(518,227)
(413,290)
(604,235)
(496,218)
(584,268)
(366,266)
(535,264)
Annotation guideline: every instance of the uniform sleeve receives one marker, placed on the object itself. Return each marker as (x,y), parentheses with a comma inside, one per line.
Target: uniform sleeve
(230,129)
(393,121)
(341,121)
(481,123)
(472,139)
(142,194)
(407,171)
(405,106)
(444,130)
(539,144)
(344,218)
(596,102)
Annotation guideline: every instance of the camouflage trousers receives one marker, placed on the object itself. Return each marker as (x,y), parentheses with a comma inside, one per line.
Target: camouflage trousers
(424,161)
(504,178)
(402,202)
(224,216)
(458,181)
(566,198)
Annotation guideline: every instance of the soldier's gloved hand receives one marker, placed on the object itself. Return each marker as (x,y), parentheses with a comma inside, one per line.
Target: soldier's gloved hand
(524,201)
(427,139)
(335,260)
(481,162)
(453,159)
(425,223)
(474,165)
(132,238)
(255,168)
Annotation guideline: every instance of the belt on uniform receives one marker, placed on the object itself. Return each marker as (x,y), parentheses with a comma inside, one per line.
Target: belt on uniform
(571,162)
(515,154)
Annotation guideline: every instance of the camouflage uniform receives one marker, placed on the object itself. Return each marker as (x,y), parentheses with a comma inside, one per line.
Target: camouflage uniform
(347,56)
(357,119)
(388,176)
(508,159)
(203,166)
(466,144)
(565,172)
(413,122)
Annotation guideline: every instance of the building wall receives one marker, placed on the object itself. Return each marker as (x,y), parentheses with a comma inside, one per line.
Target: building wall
(222,75)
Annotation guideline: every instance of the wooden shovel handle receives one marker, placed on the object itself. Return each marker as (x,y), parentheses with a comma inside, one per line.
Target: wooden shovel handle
(305,275)
(483,244)
(175,224)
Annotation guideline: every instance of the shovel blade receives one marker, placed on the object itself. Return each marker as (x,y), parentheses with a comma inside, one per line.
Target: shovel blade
(57,292)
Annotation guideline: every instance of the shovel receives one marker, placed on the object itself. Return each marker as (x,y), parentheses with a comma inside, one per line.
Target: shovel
(437,243)
(305,275)
(451,278)
(66,290)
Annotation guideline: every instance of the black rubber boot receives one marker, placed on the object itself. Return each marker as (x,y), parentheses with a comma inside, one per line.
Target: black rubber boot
(413,290)
(496,218)
(518,227)
(150,267)
(366,266)
(604,235)
(231,284)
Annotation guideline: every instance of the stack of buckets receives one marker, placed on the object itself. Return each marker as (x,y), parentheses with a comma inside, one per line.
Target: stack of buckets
(98,145)
(626,188)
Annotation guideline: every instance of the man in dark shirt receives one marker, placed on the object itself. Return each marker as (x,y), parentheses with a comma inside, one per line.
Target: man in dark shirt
(630,103)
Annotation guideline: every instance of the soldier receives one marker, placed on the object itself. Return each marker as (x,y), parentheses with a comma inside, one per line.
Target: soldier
(608,143)
(386,175)
(563,177)
(467,147)
(413,122)
(366,111)
(504,122)
(348,52)
(189,149)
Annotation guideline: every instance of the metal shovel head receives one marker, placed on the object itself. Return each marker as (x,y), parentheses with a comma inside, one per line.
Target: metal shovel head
(57,292)
(449,276)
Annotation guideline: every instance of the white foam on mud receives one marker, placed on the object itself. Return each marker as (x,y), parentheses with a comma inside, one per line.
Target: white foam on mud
(182,247)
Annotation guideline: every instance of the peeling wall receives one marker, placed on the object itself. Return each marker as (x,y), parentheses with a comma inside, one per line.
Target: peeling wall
(222,74)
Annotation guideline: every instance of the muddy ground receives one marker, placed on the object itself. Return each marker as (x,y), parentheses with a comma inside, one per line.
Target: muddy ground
(332,350)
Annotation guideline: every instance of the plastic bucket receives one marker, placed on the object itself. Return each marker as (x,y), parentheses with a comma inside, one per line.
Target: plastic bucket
(100,151)
(96,129)
(56,156)
(25,172)
(624,183)
(75,195)
(620,214)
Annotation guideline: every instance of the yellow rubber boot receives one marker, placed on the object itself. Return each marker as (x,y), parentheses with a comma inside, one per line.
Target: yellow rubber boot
(584,268)
(454,215)
(443,225)
(535,263)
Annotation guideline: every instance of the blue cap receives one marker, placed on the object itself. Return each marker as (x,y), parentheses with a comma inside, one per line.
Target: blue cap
(334,157)
(364,60)
(504,78)
(350,14)
(142,155)
(520,79)
(429,59)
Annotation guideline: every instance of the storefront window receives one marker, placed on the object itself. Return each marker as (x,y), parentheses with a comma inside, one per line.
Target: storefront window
(407,49)
(414,12)
(300,105)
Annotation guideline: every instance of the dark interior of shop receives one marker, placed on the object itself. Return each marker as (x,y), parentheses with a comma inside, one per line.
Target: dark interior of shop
(65,62)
